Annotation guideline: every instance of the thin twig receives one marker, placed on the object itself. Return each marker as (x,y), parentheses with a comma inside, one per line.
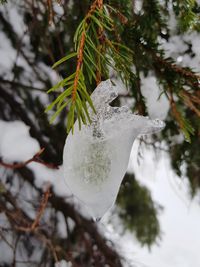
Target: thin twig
(96,4)
(78,66)
(42,207)
(100,46)
(35,158)
(41,210)
(50,10)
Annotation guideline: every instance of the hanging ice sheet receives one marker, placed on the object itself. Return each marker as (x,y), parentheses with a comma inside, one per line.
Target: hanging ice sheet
(96,158)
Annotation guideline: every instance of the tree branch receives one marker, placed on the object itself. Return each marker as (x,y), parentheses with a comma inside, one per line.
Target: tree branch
(35,158)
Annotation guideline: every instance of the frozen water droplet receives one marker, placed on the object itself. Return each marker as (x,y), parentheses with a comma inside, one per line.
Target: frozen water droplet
(96,158)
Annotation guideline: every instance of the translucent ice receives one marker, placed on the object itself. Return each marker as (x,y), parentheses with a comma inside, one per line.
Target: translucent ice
(96,158)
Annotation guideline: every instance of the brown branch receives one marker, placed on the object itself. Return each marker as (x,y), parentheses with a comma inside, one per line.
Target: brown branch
(100,4)
(41,209)
(123,19)
(96,4)
(49,243)
(189,100)
(184,72)
(174,67)
(101,39)
(176,114)
(50,11)
(35,158)
(78,67)
(18,217)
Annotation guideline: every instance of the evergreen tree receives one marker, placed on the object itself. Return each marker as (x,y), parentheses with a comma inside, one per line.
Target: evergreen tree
(87,42)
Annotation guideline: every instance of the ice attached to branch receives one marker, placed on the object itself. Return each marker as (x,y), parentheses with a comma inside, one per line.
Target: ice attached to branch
(96,158)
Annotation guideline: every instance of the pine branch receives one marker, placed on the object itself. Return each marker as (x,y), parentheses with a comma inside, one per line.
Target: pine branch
(95,53)
(78,67)
(187,15)
(180,78)
(183,123)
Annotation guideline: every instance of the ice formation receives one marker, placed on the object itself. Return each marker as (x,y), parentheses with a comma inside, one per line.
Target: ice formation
(96,158)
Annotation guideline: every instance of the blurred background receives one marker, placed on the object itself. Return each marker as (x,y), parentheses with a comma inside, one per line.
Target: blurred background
(155,221)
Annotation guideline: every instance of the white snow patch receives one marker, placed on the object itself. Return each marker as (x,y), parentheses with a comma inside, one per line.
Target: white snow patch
(63,263)
(7,55)
(62,230)
(157,103)
(177,48)
(16,143)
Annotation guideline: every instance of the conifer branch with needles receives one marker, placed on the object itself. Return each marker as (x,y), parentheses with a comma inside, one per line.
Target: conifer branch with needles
(95,53)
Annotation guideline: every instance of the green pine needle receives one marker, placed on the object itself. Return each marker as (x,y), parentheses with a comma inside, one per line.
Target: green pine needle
(98,56)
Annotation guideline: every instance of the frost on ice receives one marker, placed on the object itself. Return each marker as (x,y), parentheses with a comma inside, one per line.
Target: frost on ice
(96,158)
